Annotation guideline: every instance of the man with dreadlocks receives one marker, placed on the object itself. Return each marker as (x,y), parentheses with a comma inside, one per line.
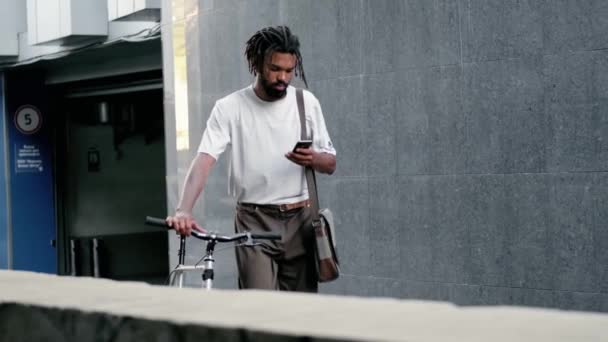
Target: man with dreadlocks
(261,123)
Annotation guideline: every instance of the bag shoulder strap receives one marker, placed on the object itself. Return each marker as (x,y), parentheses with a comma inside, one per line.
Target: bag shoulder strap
(310,173)
(301,112)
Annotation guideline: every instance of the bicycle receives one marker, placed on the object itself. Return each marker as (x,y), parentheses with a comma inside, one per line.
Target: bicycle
(246,239)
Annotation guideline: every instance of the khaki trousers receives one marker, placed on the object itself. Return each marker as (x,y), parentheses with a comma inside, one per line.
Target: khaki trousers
(286,265)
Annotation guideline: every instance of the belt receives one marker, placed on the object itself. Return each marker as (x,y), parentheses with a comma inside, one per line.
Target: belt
(279,207)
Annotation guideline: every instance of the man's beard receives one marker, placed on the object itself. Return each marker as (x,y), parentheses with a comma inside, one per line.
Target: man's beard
(271,91)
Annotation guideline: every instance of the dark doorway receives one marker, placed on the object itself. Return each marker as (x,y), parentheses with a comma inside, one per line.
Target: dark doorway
(110,175)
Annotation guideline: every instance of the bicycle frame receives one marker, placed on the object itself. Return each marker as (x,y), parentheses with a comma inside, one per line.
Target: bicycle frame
(241,239)
(206,266)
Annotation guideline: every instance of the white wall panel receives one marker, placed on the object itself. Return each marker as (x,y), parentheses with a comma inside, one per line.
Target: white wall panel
(145,4)
(48,19)
(125,7)
(89,17)
(19,14)
(112,9)
(133,9)
(12,20)
(32,23)
(63,21)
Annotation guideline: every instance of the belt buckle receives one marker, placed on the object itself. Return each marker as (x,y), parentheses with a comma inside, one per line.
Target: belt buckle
(283,207)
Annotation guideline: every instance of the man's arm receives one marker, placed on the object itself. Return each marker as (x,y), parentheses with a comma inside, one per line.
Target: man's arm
(319,161)
(324,162)
(183,222)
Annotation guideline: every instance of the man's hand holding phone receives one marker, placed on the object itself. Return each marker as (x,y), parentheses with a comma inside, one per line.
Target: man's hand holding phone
(302,153)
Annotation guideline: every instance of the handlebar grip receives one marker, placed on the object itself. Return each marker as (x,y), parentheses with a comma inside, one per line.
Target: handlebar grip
(155,221)
(266,236)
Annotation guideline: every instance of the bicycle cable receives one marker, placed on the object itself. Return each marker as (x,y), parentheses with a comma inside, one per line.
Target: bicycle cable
(227,247)
(168,280)
(217,250)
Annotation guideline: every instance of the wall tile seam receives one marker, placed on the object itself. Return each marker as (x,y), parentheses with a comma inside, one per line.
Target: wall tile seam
(461,41)
(216,11)
(533,56)
(361,33)
(368,230)
(391,71)
(505,59)
(368,277)
(339,78)
(347,177)
(574,52)
(497,286)
(461,64)
(492,174)
(411,68)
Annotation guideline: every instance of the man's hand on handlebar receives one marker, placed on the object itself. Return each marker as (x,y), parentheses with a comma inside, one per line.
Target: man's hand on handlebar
(183,223)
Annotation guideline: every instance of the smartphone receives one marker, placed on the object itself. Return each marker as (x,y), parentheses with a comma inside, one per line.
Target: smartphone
(302,144)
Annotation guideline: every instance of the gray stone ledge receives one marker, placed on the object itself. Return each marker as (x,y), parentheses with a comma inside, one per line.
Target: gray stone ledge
(41,307)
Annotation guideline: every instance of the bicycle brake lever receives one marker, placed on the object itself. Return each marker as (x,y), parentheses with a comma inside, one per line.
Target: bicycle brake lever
(246,244)
(249,241)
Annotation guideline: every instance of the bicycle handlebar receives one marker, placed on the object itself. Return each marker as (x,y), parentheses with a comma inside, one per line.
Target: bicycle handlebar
(154,221)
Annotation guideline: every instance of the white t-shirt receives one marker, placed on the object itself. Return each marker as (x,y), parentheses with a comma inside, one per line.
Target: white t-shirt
(260,133)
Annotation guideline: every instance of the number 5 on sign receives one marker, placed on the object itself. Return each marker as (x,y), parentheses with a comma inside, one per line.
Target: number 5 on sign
(28,119)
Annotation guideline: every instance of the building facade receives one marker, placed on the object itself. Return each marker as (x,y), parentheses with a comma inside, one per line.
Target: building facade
(471,139)
(82,139)
(471,135)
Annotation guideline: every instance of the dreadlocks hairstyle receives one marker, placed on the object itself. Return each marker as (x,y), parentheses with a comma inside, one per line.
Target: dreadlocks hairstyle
(269,40)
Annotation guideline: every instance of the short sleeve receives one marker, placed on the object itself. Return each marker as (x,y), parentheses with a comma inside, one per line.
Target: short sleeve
(217,134)
(321,139)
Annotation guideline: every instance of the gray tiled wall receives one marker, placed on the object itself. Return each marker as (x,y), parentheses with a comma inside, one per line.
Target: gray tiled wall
(472,139)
